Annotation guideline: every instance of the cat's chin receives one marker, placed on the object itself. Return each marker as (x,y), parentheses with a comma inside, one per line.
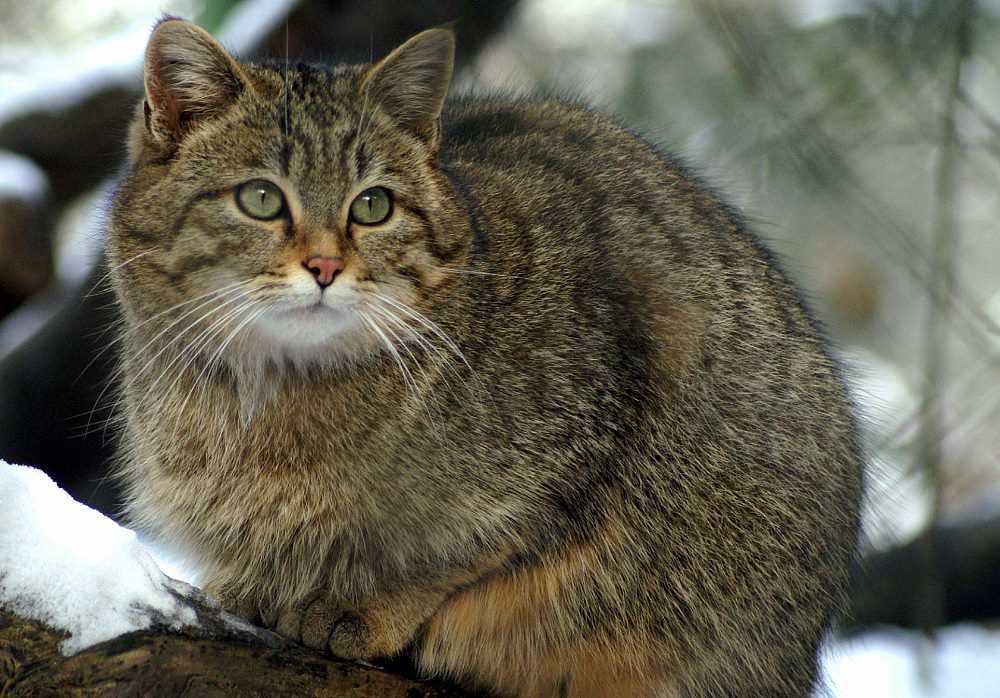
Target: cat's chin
(307,334)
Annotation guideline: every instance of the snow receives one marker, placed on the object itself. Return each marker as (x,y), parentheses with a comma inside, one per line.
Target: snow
(73,568)
(52,77)
(960,661)
(21,178)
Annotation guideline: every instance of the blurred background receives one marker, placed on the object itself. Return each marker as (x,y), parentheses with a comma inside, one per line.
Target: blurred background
(860,139)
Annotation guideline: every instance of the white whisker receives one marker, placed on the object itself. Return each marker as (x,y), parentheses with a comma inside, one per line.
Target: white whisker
(205,300)
(390,347)
(151,318)
(471,272)
(194,346)
(426,322)
(111,271)
(254,313)
(389,303)
(409,332)
(430,351)
(193,349)
(202,300)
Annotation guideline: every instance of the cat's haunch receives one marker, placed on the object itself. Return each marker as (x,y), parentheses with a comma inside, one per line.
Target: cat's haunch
(489,381)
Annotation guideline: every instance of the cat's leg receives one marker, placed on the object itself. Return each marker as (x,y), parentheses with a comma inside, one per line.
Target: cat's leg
(569,624)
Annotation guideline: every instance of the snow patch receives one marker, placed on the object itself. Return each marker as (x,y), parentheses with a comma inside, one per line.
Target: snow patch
(73,568)
(958,661)
(21,178)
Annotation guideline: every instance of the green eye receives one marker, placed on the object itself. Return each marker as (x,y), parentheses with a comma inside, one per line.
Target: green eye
(371,206)
(260,199)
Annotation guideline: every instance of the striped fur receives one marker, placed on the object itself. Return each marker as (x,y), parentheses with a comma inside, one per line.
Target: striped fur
(558,428)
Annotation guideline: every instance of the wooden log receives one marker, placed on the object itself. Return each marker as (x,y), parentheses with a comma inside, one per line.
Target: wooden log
(160,662)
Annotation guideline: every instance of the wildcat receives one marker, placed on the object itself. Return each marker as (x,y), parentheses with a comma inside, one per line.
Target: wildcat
(489,383)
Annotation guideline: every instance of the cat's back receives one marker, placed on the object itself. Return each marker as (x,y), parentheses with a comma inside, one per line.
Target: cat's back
(553,156)
(574,181)
(572,199)
(592,226)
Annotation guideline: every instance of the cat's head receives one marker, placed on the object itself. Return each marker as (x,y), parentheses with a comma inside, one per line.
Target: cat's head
(284,212)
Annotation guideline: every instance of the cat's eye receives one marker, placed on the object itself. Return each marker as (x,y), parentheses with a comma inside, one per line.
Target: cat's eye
(260,199)
(371,206)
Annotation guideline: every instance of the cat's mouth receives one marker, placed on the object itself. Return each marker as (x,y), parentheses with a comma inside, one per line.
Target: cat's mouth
(318,311)
(311,304)
(318,307)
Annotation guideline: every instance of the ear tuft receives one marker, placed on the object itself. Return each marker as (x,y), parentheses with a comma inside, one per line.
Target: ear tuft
(188,76)
(410,84)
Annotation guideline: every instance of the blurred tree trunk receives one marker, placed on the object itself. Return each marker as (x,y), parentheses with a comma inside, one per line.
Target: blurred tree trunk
(887,588)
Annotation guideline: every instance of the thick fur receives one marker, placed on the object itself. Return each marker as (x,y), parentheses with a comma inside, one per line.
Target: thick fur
(558,428)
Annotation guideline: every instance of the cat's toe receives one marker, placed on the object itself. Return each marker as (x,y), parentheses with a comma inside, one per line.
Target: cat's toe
(322,621)
(349,636)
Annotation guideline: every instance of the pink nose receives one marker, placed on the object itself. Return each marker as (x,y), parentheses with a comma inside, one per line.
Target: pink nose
(325,269)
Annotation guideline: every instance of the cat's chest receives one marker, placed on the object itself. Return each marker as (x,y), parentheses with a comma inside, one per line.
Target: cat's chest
(284,436)
(245,477)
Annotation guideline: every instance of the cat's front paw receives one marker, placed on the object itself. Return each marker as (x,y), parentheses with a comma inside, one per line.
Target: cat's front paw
(321,620)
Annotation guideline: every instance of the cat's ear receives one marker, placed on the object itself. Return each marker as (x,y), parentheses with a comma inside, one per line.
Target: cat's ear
(188,76)
(410,84)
